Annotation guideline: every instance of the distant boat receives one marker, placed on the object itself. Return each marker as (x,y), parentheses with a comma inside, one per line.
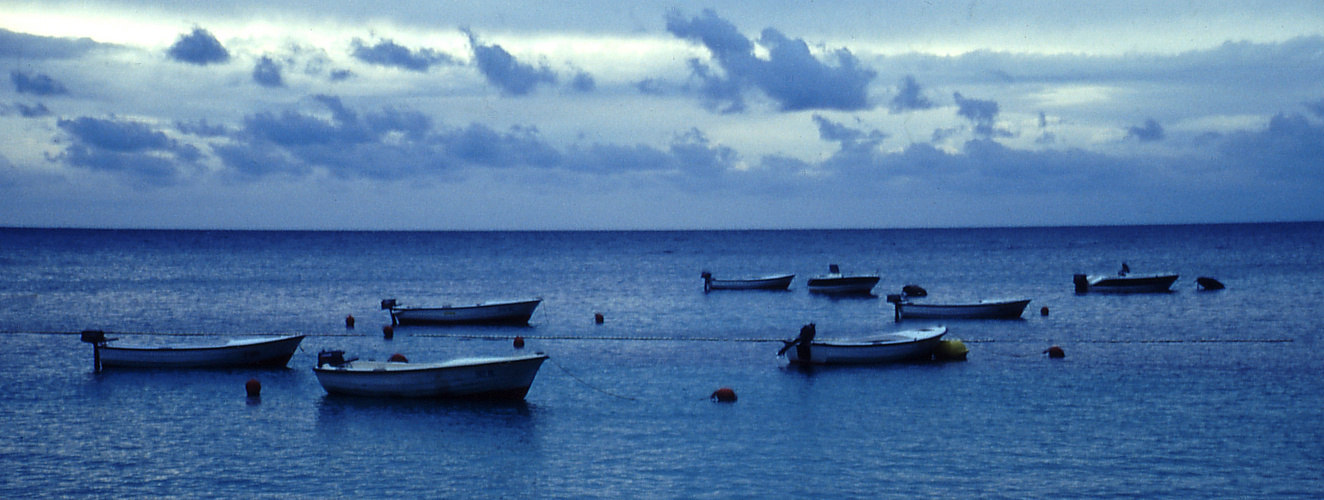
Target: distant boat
(503,377)
(881,348)
(987,309)
(1124,283)
(266,351)
(503,312)
(769,282)
(835,282)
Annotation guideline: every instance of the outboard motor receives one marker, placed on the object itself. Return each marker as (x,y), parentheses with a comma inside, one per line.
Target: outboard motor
(802,349)
(94,336)
(1082,283)
(833,269)
(388,303)
(707,280)
(333,358)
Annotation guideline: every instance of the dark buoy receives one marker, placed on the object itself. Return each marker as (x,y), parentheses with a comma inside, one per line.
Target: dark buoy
(349,321)
(519,342)
(253,387)
(388,332)
(1207,283)
(398,358)
(914,291)
(723,395)
(1055,352)
(1043,311)
(597,318)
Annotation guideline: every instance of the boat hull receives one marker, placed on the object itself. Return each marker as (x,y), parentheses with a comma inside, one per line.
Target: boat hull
(842,284)
(888,348)
(511,313)
(779,282)
(257,352)
(1154,283)
(1008,309)
(506,378)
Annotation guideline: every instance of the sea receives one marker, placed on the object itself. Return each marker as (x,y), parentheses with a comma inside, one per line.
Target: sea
(1188,394)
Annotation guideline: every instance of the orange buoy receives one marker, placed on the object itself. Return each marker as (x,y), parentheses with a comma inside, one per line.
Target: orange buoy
(597,318)
(398,358)
(349,321)
(1055,352)
(723,395)
(1043,311)
(253,387)
(388,332)
(519,342)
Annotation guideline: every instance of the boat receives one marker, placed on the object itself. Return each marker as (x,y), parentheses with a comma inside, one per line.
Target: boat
(497,312)
(769,282)
(258,351)
(835,282)
(496,377)
(917,344)
(986,309)
(1124,282)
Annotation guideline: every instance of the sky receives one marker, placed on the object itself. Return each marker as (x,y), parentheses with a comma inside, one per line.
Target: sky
(601,115)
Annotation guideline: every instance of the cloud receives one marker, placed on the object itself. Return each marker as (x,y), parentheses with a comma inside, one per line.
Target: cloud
(501,69)
(267,73)
(36,111)
(388,53)
(1149,132)
(791,75)
(24,46)
(909,97)
(1289,148)
(583,82)
(38,84)
(129,149)
(199,47)
(983,113)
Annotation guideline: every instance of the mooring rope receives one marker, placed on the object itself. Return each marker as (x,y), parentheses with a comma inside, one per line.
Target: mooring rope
(585,383)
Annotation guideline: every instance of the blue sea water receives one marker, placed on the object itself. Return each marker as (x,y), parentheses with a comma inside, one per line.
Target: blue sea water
(1188,394)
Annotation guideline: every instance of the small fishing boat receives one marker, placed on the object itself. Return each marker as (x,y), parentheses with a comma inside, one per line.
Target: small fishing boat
(769,282)
(837,283)
(259,351)
(497,377)
(987,309)
(889,347)
(497,312)
(1124,282)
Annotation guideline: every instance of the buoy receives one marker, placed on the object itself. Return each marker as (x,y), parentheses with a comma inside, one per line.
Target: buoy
(398,358)
(1043,311)
(1055,352)
(1207,283)
(951,350)
(597,318)
(388,331)
(723,395)
(519,342)
(253,387)
(914,291)
(349,321)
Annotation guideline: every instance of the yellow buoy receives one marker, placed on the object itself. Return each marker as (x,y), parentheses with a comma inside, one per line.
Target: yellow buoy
(951,350)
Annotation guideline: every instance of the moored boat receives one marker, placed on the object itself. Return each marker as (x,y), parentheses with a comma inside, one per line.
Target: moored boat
(837,283)
(987,309)
(508,312)
(495,377)
(917,344)
(769,282)
(1124,283)
(258,351)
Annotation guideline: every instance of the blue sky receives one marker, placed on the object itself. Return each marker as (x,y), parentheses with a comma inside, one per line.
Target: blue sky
(636,115)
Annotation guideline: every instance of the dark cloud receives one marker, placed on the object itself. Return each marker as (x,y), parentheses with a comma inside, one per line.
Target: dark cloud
(1149,132)
(199,47)
(1317,107)
(856,147)
(37,111)
(651,86)
(791,75)
(501,69)
(338,75)
(388,53)
(983,113)
(202,128)
(909,97)
(267,73)
(38,84)
(583,82)
(1289,148)
(127,148)
(24,46)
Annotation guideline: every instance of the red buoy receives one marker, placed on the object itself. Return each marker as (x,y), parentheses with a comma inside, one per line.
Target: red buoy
(1055,352)
(1043,311)
(349,321)
(398,358)
(723,395)
(388,332)
(519,342)
(253,387)
(597,318)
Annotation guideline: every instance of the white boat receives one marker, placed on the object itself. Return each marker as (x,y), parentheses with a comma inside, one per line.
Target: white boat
(905,345)
(987,309)
(264,351)
(507,377)
(769,282)
(510,312)
(1124,283)
(835,282)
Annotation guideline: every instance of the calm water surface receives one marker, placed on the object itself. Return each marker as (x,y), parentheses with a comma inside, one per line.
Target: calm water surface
(1179,395)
